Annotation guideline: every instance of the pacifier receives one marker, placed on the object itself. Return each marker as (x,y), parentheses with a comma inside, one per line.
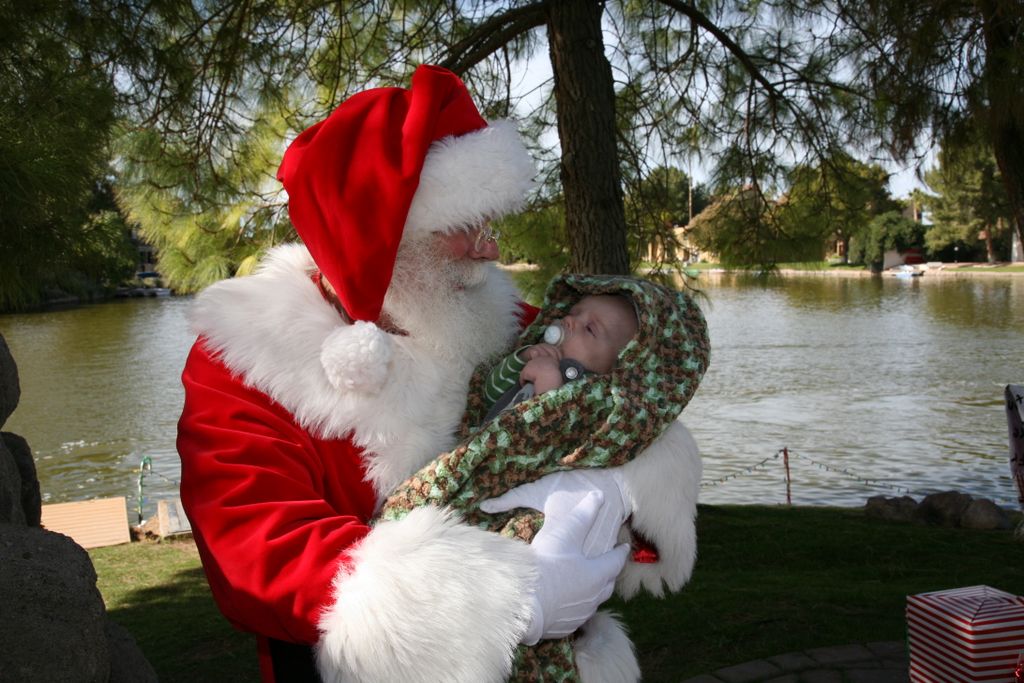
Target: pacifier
(554,334)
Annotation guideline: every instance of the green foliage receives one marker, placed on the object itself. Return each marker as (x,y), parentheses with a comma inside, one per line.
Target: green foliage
(889,230)
(836,200)
(941,68)
(746,229)
(655,205)
(970,197)
(536,238)
(57,111)
(211,93)
(208,222)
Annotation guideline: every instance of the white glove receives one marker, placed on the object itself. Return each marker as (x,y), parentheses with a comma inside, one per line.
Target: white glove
(570,586)
(612,515)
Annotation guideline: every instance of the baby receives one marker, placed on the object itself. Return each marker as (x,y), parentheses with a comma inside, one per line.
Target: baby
(619,360)
(587,340)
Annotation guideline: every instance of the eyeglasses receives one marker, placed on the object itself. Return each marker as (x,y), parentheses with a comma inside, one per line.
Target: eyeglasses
(486,234)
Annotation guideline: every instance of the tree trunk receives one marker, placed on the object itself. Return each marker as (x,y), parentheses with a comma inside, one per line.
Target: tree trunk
(585,100)
(1005,110)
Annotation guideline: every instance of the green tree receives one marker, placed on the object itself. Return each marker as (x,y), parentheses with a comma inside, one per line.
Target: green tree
(666,198)
(944,68)
(745,228)
(835,199)
(631,81)
(970,204)
(754,89)
(883,232)
(56,113)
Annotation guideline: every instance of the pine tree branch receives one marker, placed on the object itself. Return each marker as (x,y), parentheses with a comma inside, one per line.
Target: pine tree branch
(493,34)
(705,22)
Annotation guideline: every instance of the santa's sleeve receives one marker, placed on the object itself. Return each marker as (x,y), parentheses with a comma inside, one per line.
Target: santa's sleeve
(662,484)
(381,603)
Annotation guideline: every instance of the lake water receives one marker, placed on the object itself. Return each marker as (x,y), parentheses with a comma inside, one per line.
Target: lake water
(873,385)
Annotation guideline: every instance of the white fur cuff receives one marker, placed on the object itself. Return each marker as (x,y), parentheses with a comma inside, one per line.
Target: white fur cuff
(427,599)
(356,357)
(662,485)
(604,653)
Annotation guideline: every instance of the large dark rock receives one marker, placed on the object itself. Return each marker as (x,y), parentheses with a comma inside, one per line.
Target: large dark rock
(895,509)
(984,514)
(127,664)
(11,511)
(53,623)
(943,509)
(28,493)
(10,390)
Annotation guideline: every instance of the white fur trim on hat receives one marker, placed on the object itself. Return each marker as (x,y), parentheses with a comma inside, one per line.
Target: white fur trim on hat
(355,357)
(604,653)
(427,598)
(470,178)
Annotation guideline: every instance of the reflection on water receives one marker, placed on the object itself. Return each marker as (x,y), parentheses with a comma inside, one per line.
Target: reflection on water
(869,378)
(891,380)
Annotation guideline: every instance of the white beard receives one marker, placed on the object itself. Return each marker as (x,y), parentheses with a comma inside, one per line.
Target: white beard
(457,308)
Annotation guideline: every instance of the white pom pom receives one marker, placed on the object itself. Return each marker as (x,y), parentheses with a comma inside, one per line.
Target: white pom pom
(355,357)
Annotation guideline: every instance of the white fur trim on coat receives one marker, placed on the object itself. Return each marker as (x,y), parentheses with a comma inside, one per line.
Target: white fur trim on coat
(273,328)
(427,599)
(470,178)
(662,485)
(355,357)
(604,653)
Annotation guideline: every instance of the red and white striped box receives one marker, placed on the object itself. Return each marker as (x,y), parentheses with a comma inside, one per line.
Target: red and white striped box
(971,634)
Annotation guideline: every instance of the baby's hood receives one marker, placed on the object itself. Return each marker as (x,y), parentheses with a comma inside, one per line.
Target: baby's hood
(613,416)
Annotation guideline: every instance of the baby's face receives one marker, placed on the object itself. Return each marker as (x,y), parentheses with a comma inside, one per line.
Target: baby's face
(596,330)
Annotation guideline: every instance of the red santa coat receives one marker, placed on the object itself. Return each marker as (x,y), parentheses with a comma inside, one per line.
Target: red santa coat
(284,459)
(276,509)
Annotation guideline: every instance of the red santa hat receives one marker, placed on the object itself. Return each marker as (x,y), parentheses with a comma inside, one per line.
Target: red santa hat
(388,163)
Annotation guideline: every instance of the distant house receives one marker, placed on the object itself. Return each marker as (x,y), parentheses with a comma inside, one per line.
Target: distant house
(677,248)
(146,254)
(911,257)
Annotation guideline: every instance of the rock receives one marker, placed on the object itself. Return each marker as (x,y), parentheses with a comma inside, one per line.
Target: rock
(11,511)
(895,509)
(127,663)
(942,509)
(30,498)
(10,390)
(53,619)
(983,514)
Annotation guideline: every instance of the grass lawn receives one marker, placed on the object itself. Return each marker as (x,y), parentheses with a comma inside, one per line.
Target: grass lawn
(768,580)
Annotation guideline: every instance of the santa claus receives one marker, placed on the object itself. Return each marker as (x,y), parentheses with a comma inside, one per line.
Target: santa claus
(325,379)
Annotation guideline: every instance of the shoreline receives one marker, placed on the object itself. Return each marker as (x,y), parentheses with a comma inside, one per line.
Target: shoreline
(951,272)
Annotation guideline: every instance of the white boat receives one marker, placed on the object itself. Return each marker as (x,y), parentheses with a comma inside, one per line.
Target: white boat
(906,271)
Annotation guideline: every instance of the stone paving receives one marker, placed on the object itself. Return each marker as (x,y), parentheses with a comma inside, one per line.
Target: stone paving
(881,662)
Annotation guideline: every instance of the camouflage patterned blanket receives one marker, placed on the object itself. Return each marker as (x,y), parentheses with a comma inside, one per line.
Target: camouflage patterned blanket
(598,421)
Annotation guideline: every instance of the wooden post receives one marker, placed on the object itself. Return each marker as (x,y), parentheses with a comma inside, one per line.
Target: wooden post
(785,461)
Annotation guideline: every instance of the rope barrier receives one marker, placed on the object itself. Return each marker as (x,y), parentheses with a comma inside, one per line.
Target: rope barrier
(786,453)
(863,480)
(736,475)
